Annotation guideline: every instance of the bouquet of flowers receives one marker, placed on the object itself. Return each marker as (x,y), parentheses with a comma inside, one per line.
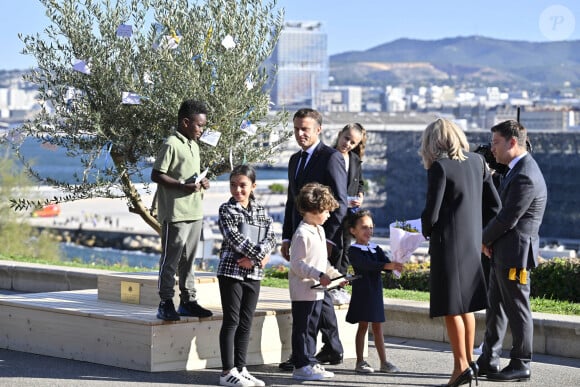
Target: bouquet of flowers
(406,236)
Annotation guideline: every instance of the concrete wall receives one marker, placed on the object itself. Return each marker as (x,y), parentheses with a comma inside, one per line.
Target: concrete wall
(556,335)
(404,179)
(37,278)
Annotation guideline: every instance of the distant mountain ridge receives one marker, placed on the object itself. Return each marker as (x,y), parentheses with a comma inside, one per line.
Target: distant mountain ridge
(470,60)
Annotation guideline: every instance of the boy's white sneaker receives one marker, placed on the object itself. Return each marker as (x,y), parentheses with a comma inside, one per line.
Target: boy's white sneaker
(234,379)
(255,381)
(325,373)
(308,372)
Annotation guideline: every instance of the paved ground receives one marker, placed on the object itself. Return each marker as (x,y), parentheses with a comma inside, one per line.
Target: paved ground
(422,364)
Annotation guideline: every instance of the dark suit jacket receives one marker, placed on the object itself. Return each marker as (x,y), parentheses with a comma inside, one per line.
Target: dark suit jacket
(354,178)
(513,233)
(326,166)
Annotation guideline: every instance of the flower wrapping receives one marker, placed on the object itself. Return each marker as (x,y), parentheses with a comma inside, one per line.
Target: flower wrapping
(403,242)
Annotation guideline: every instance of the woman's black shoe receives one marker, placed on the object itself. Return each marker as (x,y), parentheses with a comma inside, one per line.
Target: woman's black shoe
(465,377)
(475,369)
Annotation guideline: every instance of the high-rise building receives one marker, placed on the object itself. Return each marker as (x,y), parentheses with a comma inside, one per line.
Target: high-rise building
(340,99)
(301,62)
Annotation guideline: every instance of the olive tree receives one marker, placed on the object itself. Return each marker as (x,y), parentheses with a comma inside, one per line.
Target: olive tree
(112,74)
(17,237)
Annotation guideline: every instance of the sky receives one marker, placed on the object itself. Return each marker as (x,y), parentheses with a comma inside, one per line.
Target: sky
(355,25)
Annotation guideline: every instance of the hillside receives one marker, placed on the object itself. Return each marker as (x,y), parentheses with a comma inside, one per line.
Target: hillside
(470,60)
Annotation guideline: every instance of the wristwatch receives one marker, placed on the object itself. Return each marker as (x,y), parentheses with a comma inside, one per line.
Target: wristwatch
(181,184)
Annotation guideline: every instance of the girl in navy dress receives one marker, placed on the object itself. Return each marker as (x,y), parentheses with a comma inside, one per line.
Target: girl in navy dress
(368,261)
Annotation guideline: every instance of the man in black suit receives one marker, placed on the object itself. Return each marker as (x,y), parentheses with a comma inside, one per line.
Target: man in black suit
(511,240)
(317,163)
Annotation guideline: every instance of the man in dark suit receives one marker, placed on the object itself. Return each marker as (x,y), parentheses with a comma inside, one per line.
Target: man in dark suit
(511,240)
(317,163)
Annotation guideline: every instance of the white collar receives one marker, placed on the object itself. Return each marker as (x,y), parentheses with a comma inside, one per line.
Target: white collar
(513,163)
(310,150)
(372,247)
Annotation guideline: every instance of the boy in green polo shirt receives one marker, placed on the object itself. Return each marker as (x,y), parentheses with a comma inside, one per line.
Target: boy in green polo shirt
(180,212)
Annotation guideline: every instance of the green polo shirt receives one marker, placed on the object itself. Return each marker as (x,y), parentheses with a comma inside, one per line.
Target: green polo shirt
(178,158)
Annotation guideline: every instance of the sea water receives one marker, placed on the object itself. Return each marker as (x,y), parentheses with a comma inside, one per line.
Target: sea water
(53,162)
(109,256)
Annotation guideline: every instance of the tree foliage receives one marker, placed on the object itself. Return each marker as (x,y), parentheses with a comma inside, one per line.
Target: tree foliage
(17,237)
(175,50)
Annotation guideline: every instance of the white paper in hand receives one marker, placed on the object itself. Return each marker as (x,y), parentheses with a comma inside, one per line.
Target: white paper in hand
(201,176)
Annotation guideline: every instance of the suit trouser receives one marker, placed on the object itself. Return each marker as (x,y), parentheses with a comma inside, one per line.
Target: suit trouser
(328,326)
(305,316)
(179,241)
(509,303)
(340,260)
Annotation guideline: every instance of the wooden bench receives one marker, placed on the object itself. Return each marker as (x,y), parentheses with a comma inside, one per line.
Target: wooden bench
(113,325)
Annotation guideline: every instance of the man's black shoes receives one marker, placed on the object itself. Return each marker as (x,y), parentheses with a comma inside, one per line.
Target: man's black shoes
(516,371)
(287,365)
(166,311)
(486,368)
(328,357)
(193,309)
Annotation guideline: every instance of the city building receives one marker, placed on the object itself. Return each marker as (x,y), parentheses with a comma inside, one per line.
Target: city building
(557,118)
(396,99)
(300,60)
(18,98)
(340,99)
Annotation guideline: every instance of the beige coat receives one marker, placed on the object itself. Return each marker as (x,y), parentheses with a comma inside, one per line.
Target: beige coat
(308,258)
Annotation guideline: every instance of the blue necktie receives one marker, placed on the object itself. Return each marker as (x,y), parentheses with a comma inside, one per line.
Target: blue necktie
(300,169)
(502,179)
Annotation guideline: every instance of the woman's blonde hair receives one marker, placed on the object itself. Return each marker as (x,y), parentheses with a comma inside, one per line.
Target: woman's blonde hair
(442,139)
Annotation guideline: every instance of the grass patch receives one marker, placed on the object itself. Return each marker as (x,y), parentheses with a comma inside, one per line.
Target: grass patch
(273,282)
(272,279)
(403,294)
(544,305)
(540,305)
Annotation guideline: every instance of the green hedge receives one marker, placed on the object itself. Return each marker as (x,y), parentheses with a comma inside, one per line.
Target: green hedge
(414,277)
(557,279)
